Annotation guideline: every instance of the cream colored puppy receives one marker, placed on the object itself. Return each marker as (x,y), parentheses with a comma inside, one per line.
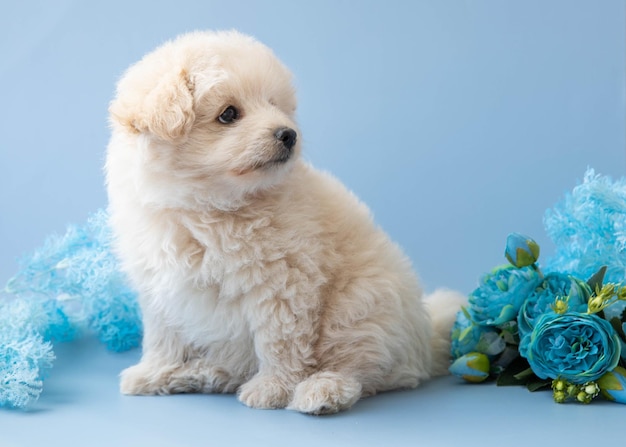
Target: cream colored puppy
(256,273)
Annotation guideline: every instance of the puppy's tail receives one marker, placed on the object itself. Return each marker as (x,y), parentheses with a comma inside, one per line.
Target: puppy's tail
(443,305)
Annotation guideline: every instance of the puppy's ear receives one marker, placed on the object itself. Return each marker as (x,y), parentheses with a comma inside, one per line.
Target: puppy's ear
(164,109)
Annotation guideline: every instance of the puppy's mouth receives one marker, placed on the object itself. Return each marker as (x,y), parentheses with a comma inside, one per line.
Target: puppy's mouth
(281,157)
(282,150)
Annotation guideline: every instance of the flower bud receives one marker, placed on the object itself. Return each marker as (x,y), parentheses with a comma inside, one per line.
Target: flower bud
(559,385)
(473,367)
(591,389)
(595,304)
(613,385)
(583,397)
(559,397)
(521,250)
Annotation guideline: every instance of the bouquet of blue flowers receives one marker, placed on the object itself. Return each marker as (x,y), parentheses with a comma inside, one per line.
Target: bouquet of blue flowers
(552,330)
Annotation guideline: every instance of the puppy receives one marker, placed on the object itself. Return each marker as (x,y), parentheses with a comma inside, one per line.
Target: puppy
(256,273)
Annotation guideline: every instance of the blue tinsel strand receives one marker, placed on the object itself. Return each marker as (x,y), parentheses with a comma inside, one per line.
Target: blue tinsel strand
(24,354)
(589,229)
(70,285)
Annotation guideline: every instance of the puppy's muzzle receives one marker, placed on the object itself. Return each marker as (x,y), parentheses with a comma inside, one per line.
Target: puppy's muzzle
(287,138)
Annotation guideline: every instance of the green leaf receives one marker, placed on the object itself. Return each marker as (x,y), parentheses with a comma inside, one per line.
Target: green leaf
(538,384)
(595,282)
(466,313)
(508,377)
(616,322)
(523,375)
(465,332)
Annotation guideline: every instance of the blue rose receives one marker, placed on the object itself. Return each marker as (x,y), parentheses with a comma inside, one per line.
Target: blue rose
(470,337)
(501,294)
(521,250)
(542,299)
(572,346)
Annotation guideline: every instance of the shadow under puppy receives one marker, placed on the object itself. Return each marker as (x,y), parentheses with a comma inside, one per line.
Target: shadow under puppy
(256,273)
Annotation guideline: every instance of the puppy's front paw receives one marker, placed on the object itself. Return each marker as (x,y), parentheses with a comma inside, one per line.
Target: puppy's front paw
(325,393)
(264,392)
(139,380)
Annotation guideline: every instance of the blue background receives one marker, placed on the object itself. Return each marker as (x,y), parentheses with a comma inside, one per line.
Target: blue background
(457,122)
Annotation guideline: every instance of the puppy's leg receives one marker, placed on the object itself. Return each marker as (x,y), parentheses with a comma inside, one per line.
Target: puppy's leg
(285,332)
(162,354)
(194,376)
(167,367)
(326,392)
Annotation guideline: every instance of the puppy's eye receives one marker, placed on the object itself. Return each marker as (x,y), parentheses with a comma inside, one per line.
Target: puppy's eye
(229,115)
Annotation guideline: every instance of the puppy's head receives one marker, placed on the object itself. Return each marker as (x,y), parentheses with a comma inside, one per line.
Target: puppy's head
(211,118)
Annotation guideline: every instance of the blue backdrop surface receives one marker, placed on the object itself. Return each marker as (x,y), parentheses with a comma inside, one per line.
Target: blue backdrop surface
(456,121)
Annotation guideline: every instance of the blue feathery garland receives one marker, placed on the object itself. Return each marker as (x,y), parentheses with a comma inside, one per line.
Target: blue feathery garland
(589,229)
(69,286)
(73,283)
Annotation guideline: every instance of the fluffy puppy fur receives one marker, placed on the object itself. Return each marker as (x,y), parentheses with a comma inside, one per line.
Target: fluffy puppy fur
(256,273)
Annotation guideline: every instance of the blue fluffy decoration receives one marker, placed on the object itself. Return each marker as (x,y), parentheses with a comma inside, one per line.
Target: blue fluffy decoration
(24,354)
(71,285)
(589,229)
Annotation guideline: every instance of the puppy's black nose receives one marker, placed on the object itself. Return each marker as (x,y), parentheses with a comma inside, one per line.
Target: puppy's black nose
(287,136)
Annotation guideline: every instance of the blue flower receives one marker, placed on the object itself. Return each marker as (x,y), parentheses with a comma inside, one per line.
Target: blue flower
(473,367)
(468,336)
(572,346)
(501,294)
(554,285)
(521,250)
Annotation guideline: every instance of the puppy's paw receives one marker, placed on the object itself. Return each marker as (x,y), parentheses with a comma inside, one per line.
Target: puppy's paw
(265,392)
(193,377)
(201,378)
(325,393)
(142,379)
